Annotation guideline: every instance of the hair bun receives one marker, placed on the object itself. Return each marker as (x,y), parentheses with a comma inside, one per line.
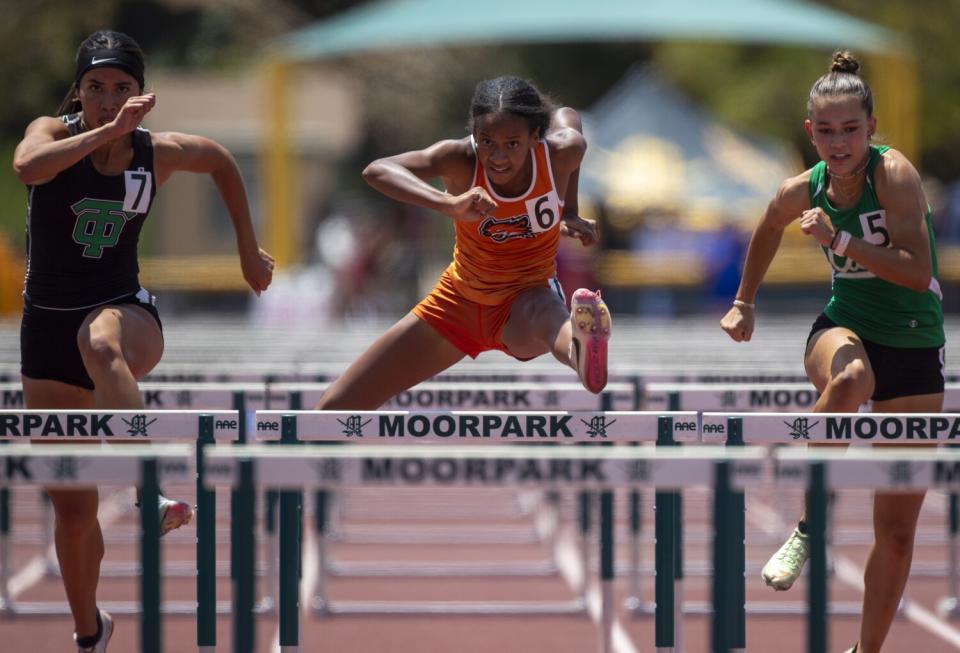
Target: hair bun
(844,62)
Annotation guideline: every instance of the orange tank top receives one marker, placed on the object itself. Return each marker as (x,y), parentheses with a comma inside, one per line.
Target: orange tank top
(514,247)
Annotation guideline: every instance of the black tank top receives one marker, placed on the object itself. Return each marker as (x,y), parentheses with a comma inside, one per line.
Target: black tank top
(83,228)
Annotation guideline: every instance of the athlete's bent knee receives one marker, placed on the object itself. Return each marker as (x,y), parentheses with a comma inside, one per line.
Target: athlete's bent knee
(99,353)
(853,385)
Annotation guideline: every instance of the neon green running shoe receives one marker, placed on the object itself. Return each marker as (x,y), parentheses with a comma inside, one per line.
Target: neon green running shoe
(784,568)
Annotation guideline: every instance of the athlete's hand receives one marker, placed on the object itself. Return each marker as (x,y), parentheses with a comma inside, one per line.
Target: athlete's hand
(471,206)
(257,269)
(814,222)
(132,112)
(738,323)
(583,228)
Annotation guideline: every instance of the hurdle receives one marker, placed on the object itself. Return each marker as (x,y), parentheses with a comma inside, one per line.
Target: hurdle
(910,470)
(826,428)
(202,427)
(506,397)
(462,426)
(71,465)
(602,468)
(795,397)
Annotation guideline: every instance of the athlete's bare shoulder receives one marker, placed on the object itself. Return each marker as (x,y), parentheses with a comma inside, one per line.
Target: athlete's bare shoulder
(895,174)
(565,139)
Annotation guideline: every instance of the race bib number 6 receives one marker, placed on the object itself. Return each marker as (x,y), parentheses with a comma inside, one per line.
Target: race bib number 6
(544,212)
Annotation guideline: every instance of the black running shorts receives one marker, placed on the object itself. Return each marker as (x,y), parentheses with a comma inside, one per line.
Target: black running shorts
(48,339)
(899,371)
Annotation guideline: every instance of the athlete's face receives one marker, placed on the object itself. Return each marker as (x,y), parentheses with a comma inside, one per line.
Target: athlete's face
(841,131)
(102,91)
(504,142)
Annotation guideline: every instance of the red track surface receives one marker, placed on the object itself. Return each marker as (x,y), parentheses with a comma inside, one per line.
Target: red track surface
(393,513)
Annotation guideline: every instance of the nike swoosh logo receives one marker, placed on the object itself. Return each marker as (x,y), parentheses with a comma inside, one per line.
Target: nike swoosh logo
(95,61)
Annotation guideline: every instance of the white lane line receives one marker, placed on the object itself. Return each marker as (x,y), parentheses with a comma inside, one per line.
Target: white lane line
(768,520)
(570,564)
(110,510)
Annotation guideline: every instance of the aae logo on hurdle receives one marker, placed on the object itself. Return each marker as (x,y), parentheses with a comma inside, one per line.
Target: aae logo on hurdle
(116,425)
(567,426)
(832,427)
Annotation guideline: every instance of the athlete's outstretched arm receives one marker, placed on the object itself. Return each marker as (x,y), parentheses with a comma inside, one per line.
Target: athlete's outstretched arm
(48,148)
(174,151)
(403,177)
(791,200)
(568,146)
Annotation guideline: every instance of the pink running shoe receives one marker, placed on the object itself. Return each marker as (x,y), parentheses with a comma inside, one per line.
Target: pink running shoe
(173,514)
(590,319)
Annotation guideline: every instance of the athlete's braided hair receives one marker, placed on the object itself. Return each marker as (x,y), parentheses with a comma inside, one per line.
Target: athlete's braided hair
(513,95)
(104,39)
(843,79)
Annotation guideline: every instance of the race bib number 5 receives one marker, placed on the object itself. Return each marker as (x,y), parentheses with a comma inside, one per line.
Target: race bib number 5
(544,212)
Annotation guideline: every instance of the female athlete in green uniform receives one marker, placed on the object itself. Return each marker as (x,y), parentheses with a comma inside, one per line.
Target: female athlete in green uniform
(881,335)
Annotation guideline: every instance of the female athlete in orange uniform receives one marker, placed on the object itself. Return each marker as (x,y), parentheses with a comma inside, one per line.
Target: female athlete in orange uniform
(511,189)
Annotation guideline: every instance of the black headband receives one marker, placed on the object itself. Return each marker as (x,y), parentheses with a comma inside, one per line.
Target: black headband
(110,59)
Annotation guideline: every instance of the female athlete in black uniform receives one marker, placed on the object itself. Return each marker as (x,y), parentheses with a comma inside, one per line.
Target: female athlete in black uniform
(89,331)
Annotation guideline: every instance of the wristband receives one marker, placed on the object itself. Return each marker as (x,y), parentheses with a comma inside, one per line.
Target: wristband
(739,303)
(843,241)
(833,241)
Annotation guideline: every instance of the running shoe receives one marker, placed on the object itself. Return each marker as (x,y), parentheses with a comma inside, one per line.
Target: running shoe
(784,568)
(173,514)
(591,323)
(106,632)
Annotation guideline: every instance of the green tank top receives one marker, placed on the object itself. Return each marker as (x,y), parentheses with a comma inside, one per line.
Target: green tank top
(874,309)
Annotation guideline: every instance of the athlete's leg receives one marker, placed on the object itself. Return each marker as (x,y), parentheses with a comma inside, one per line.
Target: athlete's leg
(119,345)
(410,352)
(539,323)
(837,364)
(894,525)
(77,536)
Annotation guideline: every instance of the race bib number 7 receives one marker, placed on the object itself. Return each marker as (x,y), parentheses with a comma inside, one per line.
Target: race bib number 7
(138,185)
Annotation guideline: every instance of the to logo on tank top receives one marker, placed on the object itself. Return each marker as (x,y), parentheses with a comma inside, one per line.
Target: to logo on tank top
(541,215)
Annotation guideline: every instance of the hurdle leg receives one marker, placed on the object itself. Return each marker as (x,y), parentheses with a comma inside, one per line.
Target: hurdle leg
(320,517)
(290,548)
(721,624)
(50,564)
(289,589)
(584,500)
(150,630)
(206,547)
(606,571)
(244,550)
(634,601)
(6,604)
(817,616)
(949,606)
(271,502)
